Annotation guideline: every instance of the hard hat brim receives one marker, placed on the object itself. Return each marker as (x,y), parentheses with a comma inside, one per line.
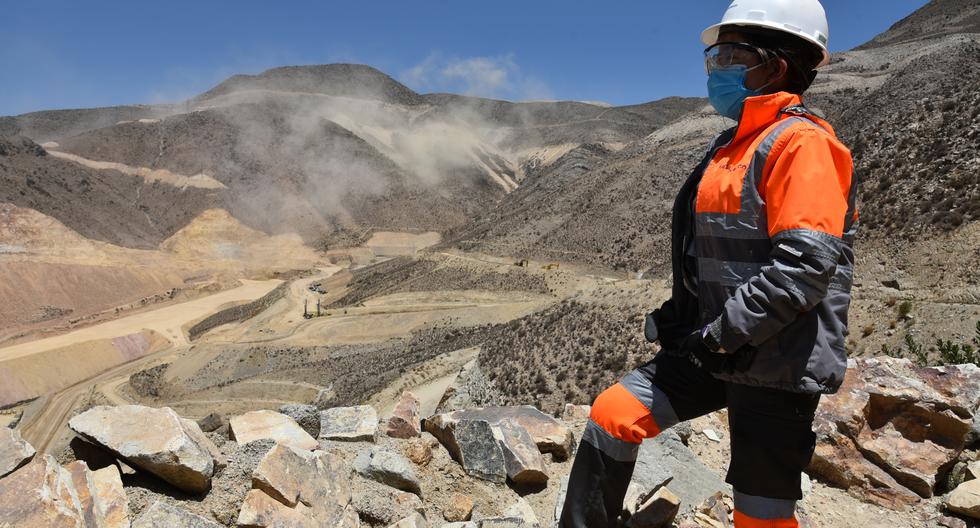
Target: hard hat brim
(710,36)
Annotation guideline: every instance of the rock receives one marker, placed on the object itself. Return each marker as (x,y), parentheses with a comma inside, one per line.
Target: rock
(460,508)
(467,524)
(211,422)
(965,499)
(380,504)
(479,451)
(316,484)
(194,431)
(163,515)
(523,511)
(656,511)
(894,428)
(353,424)
(40,495)
(973,470)
(912,464)
(548,433)
(307,416)
(712,435)
(260,510)
(388,468)
(165,449)
(838,462)
(109,489)
(85,493)
(260,425)
(405,421)
(323,398)
(576,413)
(419,450)
(806,485)
(665,457)
(891,283)
(684,430)
(15,452)
(714,508)
(523,461)
(416,520)
(951,522)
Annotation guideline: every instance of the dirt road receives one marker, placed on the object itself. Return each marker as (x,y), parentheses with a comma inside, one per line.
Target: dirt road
(165,321)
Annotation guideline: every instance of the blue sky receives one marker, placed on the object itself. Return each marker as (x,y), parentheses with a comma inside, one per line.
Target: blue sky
(72,54)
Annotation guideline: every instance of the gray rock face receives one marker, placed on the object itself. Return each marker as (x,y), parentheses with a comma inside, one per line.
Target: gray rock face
(478,451)
(353,424)
(163,515)
(388,468)
(323,398)
(548,433)
(15,452)
(211,422)
(307,416)
(666,456)
(416,520)
(165,449)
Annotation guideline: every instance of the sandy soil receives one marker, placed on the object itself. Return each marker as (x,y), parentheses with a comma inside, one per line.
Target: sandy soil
(389,243)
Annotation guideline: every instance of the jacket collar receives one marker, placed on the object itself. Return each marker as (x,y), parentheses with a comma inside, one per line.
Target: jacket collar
(761,111)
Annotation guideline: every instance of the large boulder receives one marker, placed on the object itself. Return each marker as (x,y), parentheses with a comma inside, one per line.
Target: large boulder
(388,468)
(155,440)
(270,425)
(351,424)
(665,458)
(894,430)
(313,486)
(163,515)
(14,451)
(476,448)
(405,420)
(548,433)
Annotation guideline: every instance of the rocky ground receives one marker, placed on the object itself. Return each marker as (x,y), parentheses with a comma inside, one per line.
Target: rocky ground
(901,440)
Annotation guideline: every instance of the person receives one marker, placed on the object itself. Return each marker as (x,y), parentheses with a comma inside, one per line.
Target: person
(762,258)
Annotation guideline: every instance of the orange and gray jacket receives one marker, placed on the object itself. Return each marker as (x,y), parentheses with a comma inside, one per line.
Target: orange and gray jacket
(762,236)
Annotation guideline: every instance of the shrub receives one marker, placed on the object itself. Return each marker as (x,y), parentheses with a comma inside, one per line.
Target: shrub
(904,309)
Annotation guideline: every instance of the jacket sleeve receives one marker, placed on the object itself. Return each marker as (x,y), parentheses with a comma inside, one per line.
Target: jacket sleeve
(806,194)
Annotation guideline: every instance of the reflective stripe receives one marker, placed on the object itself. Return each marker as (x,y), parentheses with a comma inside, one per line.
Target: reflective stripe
(764,508)
(614,448)
(728,273)
(652,398)
(716,225)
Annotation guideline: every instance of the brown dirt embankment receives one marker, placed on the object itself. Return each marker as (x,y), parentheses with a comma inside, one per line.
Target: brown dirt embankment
(238,313)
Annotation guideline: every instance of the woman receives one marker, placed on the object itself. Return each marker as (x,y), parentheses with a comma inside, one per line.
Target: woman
(762,267)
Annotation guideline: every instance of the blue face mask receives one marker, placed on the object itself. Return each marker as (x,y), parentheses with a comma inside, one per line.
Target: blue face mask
(727,91)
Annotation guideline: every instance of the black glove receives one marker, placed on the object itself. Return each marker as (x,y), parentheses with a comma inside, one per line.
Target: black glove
(698,350)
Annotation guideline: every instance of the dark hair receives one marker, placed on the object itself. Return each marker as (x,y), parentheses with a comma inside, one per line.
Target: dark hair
(802,56)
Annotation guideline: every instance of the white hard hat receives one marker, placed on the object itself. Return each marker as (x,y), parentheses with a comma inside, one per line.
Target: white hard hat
(804,18)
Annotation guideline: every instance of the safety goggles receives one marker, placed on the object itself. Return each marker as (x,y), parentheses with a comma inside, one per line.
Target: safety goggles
(725,54)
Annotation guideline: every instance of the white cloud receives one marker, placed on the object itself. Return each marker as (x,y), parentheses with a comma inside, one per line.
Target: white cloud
(495,77)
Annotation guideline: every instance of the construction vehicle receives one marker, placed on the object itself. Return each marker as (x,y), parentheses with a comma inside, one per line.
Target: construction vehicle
(523,263)
(551,266)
